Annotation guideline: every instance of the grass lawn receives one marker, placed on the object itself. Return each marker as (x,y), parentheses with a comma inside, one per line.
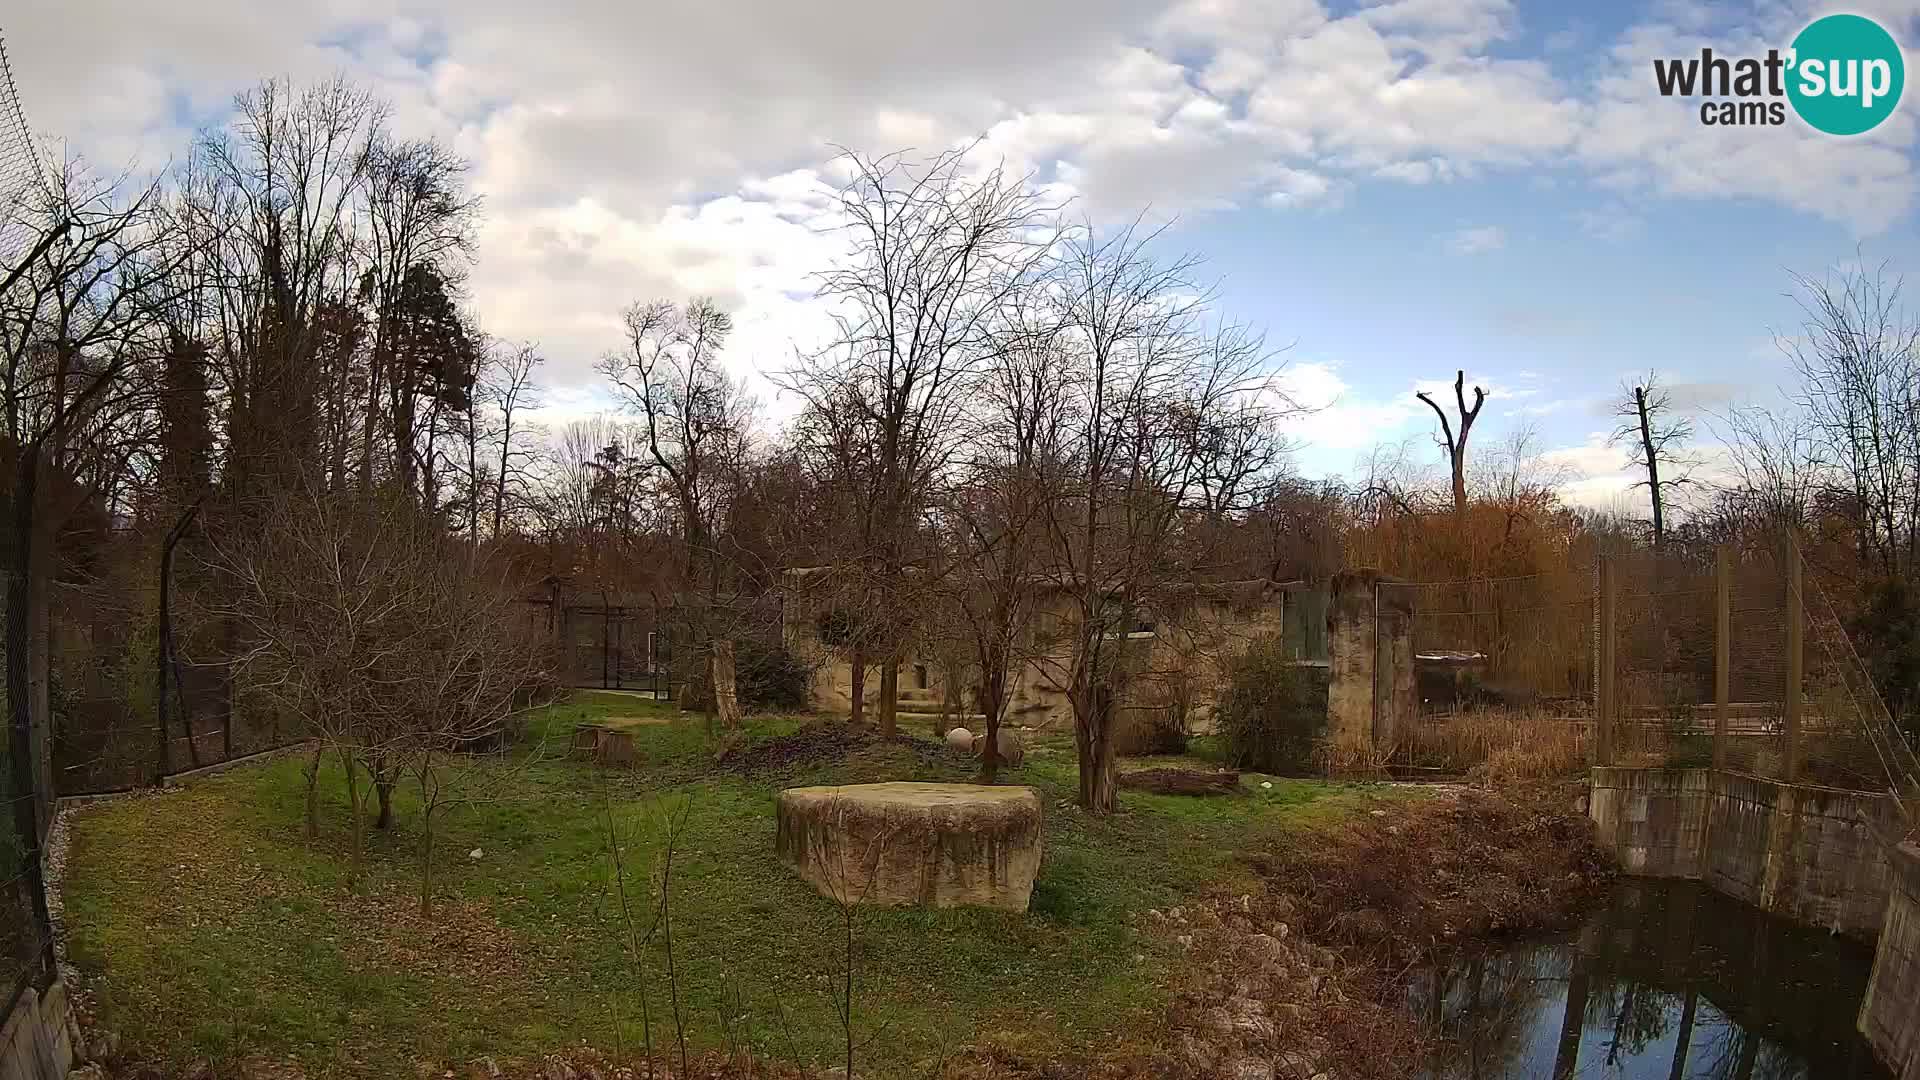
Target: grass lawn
(210,928)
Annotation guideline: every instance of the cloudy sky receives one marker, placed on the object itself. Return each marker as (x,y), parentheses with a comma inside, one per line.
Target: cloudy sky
(1394,189)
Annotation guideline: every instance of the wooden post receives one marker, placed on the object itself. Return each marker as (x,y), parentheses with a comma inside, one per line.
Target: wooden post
(1796,660)
(1607,707)
(1722,653)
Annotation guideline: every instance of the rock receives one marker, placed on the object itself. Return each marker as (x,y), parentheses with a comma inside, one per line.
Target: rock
(937,845)
(483,1068)
(105,1046)
(1241,1067)
(960,739)
(475,853)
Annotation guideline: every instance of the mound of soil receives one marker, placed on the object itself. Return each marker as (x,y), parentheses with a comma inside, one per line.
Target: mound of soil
(1182,781)
(824,742)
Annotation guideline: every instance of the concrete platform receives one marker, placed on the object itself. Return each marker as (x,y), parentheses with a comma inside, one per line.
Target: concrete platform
(936,845)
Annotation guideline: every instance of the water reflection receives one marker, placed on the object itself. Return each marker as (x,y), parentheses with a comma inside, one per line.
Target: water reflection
(1671,980)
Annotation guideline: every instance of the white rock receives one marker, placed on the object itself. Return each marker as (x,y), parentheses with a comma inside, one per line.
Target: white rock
(1267,784)
(475,853)
(960,739)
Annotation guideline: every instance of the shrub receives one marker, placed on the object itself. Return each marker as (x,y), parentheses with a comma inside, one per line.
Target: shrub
(1273,711)
(770,677)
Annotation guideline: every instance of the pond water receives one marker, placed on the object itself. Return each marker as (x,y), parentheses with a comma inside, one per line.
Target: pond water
(1670,980)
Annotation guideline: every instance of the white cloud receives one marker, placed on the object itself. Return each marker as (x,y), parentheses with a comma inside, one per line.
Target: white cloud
(1477,240)
(669,149)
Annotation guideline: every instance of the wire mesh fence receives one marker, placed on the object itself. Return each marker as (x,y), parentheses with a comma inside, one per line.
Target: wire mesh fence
(1501,665)
(25,931)
(107,734)
(1735,659)
(20,172)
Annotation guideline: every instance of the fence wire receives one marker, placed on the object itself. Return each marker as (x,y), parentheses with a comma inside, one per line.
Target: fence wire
(20,171)
(25,934)
(1780,631)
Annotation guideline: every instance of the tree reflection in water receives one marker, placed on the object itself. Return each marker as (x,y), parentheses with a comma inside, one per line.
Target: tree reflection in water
(1670,980)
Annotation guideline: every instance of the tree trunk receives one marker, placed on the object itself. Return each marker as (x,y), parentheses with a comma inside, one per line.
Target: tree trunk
(313,792)
(726,698)
(358,811)
(858,689)
(949,701)
(384,777)
(993,692)
(1458,460)
(1096,751)
(1653,468)
(889,695)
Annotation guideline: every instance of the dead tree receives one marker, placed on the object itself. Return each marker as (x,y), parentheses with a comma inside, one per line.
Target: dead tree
(1456,445)
(1655,437)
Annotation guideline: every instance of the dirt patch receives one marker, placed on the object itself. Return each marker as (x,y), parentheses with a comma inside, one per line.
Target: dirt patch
(1182,781)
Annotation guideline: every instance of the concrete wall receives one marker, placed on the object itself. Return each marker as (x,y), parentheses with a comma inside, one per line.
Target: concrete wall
(40,1035)
(1370,690)
(1814,855)
(1890,1015)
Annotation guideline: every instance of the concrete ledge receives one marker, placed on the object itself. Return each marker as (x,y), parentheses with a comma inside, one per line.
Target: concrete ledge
(38,1040)
(1890,1013)
(1812,854)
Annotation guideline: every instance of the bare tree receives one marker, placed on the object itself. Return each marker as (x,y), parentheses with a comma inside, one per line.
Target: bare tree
(1168,424)
(995,516)
(936,252)
(79,329)
(696,423)
(1456,445)
(369,624)
(1656,437)
(1858,358)
(508,388)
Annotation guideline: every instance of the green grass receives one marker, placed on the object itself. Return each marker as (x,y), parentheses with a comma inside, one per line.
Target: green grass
(215,929)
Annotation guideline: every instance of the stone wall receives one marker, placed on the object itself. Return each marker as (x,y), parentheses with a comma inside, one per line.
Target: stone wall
(38,1040)
(1890,1015)
(1815,855)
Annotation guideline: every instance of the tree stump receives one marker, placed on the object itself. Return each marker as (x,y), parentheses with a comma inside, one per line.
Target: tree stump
(934,845)
(586,739)
(615,748)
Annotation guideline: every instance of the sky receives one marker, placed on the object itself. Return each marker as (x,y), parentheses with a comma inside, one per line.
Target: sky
(1392,191)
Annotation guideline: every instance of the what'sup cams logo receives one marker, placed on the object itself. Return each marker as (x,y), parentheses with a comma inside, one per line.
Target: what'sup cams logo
(1843,75)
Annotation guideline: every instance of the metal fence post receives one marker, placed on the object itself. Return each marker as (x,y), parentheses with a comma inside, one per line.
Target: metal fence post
(1607,706)
(1722,652)
(1796,659)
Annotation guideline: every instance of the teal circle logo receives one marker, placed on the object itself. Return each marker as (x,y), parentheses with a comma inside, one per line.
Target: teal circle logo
(1846,74)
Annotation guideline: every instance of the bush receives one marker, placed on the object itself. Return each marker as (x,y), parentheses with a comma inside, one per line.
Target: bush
(770,677)
(1273,711)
